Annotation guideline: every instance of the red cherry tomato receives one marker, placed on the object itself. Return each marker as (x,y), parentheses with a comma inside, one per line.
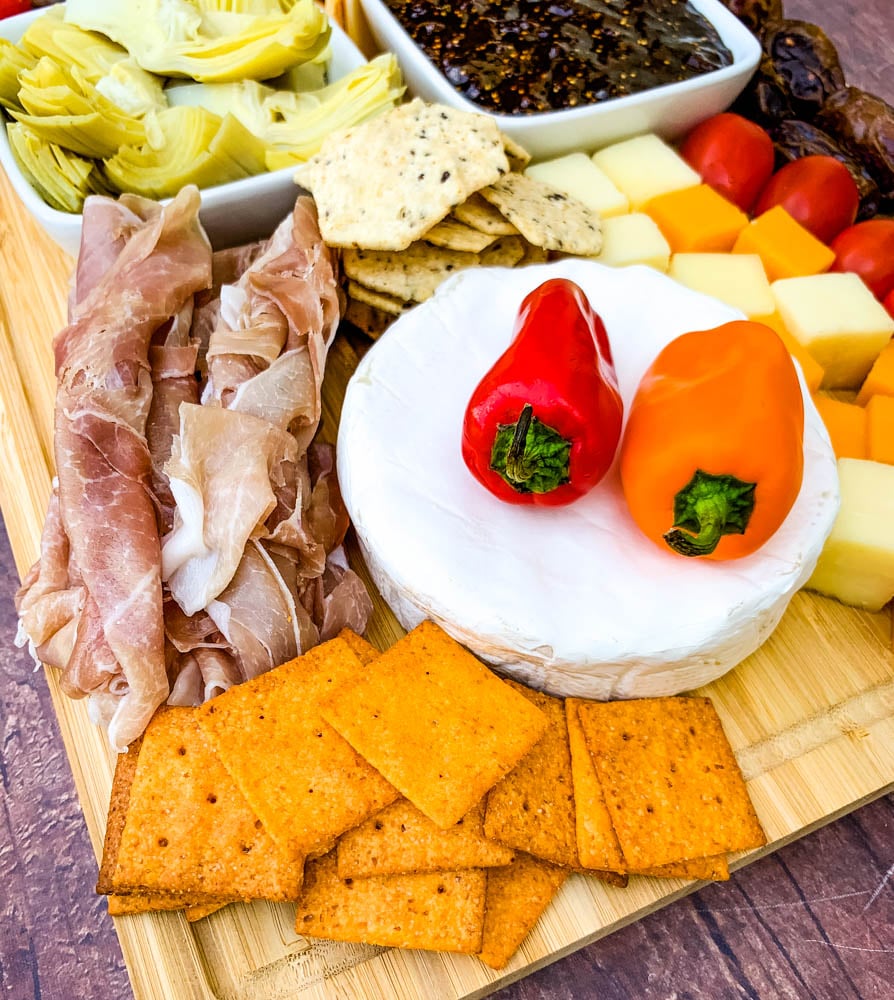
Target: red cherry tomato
(867,249)
(817,191)
(10,7)
(733,155)
(889,303)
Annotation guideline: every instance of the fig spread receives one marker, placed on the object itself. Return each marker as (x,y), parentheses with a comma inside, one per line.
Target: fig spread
(525,56)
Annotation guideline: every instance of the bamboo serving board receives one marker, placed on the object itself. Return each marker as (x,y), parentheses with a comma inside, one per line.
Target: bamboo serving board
(810,716)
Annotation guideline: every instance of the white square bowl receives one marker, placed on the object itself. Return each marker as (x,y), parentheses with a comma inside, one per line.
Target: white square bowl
(233,213)
(669,110)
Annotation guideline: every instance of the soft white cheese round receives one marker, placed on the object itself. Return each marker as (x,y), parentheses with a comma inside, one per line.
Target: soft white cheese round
(573,600)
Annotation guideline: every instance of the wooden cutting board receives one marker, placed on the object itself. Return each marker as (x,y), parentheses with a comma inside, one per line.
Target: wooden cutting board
(810,716)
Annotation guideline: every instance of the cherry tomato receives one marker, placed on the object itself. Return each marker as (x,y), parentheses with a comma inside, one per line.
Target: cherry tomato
(10,7)
(733,155)
(817,191)
(867,249)
(889,303)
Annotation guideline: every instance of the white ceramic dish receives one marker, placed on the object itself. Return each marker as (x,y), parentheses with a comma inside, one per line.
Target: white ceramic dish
(670,110)
(232,213)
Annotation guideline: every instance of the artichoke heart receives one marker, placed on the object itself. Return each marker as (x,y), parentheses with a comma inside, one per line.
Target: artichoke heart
(63,108)
(68,45)
(205,41)
(192,146)
(300,122)
(13,61)
(61,178)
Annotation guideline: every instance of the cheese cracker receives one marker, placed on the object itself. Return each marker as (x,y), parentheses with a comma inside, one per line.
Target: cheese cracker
(436,722)
(188,829)
(305,782)
(401,840)
(441,911)
(672,785)
(516,897)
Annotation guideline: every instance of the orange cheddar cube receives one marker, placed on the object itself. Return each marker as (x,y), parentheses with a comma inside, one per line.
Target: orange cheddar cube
(697,219)
(880,380)
(846,424)
(880,429)
(786,248)
(812,369)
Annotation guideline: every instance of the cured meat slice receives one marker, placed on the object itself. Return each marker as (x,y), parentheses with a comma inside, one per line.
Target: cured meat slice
(219,473)
(104,469)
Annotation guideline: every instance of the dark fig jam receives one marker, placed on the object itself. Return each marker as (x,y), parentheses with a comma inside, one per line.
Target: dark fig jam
(523,56)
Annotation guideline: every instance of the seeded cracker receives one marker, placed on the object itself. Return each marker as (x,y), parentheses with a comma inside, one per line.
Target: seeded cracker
(672,785)
(546,217)
(516,896)
(436,722)
(304,781)
(441,911)
(378,300)
(451,234)
(413,274)
(400,840)
(385,183)
(481,215)
(507,251)
(189,830)
(373,322)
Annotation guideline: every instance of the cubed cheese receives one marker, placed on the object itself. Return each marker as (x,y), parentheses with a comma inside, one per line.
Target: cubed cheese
(846,424)
(813,372)
(633,239)
(645,167)
(787,249)
(737,279)
(880,380)
(577,175)
(838,320)
(880,429)
(697,219)
(857,563)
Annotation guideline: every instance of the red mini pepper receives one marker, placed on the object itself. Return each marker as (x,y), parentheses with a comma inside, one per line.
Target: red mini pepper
(543,425)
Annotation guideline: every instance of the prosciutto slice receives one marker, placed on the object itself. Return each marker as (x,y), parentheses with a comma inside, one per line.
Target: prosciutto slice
(193,536)
(105,504)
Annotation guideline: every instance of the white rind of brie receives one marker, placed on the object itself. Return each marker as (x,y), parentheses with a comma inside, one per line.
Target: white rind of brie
(572,600)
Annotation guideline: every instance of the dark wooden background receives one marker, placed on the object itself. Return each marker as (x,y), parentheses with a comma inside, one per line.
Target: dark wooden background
(815,920)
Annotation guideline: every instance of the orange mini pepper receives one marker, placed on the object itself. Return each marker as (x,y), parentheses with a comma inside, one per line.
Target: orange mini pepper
(712,456)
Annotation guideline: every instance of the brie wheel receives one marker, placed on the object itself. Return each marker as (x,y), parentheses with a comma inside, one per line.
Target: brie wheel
(572,600)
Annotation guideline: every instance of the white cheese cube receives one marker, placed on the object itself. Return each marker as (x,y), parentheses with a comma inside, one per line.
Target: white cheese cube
(645,167)
(857,563)
(633,239)
(578,176)
(838,320)
(738,279)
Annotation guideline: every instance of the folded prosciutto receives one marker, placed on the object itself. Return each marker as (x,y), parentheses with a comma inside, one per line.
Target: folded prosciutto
(192,540)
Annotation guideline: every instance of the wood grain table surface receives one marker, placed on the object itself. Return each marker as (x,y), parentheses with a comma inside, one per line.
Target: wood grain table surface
(814,920)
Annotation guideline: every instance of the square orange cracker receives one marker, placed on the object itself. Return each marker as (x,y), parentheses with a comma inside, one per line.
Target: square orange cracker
(713,869)
(302,779)
(436,722)
(597,843)
(671,783)
(441,911)
(532,808)
(401,840)
(516,897)
(189,830)
(362,648)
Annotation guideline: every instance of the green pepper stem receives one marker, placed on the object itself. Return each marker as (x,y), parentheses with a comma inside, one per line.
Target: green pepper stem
(529,455)
(517,468)
(708,508)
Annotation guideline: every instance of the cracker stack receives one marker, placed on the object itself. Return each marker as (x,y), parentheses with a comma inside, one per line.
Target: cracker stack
(424,191)
(414,799)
